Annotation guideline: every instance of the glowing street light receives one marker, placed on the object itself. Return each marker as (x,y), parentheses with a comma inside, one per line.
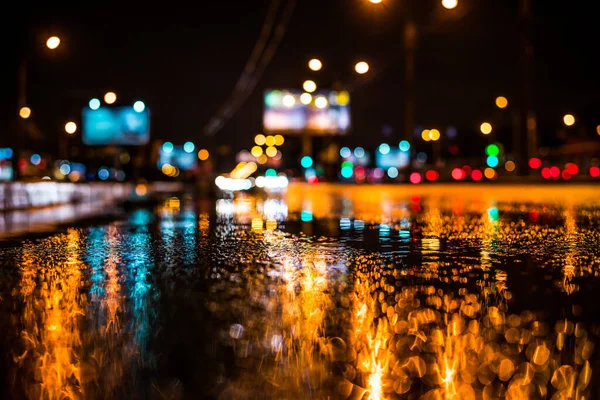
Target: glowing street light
(361,67)
(70,127)
(53,42)
(309,86)
(376,1)
(449,4)
(321,102)
(315,64)
(569,120)
(110,97)
(25,112)
(486,128)
(501,102)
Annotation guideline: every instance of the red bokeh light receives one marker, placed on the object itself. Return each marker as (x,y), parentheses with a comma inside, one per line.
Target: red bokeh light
(546,173)
(476,175)
(555,172)
(572,169)
(415,177)
(458,173)
(467,170)
(566,175)
(22,164)
(594,172)
(432,175)
(313,180)
(415,199)
(359,172)
(535,163)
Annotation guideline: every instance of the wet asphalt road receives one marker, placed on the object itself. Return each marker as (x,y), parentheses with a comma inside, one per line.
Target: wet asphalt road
(382,292)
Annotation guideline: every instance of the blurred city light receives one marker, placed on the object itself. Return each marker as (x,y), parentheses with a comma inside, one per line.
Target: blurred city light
(70,127)
(490,173)
(25,112)
(189,147)
(486,128)
(458,174)
(306,162)
(426,135)
(343,98)
(103,173)
(271,151)
(288,100)
(305,98)
(432,175)
(110,97)
(65,169)
(572,169)
(35,159)
(361,67)
(309,86)
(434,134)
(94,104)
(415,178)
(501,102)
(449,4)
(262,159)
(256,151)
(569,120)
(315,64)
(598,129)
(476,175)
(492,161)
(392,172)
(359,152)
(404,145)
(347,169)
(535,163)
(376,1)
(139,106)
(279,140)
(167,147)
(53,42)
(345,152)
(509,166)
(259,139)
(594,172)
(384,148)
(203,155)
(321,102)
(492,150)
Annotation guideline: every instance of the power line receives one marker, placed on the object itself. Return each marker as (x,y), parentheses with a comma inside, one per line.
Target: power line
(254,69)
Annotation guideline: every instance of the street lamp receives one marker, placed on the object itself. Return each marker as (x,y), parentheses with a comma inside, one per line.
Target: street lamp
(569,120)
(315,64)
(361,67)
(110,97)
(449,4)
(53,42)
(25,112)
(70,127)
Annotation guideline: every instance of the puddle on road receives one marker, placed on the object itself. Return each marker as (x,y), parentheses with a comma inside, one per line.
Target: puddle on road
(357,295)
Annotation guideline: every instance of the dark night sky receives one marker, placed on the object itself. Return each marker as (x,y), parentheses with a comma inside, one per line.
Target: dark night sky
(184,62)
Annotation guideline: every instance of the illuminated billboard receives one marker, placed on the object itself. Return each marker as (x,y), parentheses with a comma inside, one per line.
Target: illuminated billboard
(294,111)
(116,126)
(177,157)
(393,158)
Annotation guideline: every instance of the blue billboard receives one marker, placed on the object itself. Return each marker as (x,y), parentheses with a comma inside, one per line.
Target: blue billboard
(115,126)
(177,157)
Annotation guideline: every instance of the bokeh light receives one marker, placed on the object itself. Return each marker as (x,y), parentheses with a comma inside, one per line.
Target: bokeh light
(535,163)
(139,106)
(70,127)
(203,155)
(94,104)
(509,166)
(35,159)
(270,140)
(321,102)
(569,119)
(189,147)
(501,102)
(432,175)
(476,175)
(361,67)
(415,178)
(53,42)
(392,172)
(594,172)
(490,173)
(492,150)
(404,145)
(492,161)
(271,151)
(279,140)
(359,152)
(347,171)
(167,147)
(345,152)
(315,64)
(384,148)
(25,112)
(306,98)
(458,174)
(486,128)
(449,4)
(110,97)
(288,101)
(309,86)
(256,151)
(306,161)
(426,135)
(259,139)
(434,134)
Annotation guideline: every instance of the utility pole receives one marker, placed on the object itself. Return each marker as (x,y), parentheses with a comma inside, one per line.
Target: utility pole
(410,45)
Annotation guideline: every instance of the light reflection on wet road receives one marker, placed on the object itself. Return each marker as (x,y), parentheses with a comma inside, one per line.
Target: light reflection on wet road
(328,292)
